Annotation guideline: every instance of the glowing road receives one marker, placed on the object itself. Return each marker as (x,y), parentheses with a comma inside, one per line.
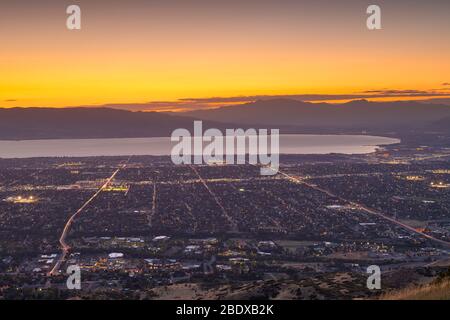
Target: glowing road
(62,240)
(230,220)
(366,209)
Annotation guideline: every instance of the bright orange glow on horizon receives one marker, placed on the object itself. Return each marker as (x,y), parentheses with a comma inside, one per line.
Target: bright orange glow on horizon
(163,52)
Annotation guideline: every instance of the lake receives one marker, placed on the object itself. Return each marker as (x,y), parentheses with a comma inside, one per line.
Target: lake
(289,144)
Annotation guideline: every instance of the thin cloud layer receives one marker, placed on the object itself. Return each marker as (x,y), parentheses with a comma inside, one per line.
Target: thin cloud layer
(190,104)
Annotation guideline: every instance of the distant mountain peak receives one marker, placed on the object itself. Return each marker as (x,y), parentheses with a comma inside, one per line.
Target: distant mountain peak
(358,101)
(354,115)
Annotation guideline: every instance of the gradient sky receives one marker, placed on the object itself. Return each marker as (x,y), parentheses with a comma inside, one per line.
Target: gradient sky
(137,51)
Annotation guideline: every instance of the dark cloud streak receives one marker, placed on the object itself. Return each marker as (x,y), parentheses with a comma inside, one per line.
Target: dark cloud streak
(189,104)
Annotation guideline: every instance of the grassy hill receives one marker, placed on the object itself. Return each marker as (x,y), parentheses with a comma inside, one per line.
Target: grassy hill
(437,290)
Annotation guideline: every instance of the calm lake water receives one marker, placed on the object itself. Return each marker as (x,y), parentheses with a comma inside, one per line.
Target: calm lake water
(289,144)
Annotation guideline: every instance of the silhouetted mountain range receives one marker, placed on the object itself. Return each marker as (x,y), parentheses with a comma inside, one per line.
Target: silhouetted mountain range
(358,114)
(288,115)
(50,123)
(441,125)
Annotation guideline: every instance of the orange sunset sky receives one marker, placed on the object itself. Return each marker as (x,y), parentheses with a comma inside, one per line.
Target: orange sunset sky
(141,51)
